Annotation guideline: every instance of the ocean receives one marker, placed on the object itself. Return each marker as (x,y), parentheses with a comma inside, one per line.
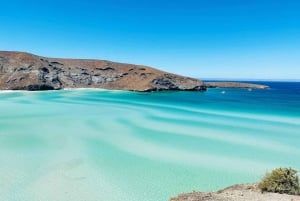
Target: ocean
(102,145)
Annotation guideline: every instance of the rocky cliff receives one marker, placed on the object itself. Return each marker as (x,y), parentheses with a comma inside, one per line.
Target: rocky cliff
(23,71)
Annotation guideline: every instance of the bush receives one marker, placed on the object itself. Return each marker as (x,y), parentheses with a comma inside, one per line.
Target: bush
(281,180)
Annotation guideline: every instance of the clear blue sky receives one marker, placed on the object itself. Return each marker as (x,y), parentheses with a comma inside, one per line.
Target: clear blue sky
(200,38)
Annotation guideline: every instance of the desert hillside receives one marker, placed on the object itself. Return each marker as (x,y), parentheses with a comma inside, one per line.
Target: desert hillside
(24,71)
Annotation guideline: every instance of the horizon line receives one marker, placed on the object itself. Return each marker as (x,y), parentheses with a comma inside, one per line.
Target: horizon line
(252,79)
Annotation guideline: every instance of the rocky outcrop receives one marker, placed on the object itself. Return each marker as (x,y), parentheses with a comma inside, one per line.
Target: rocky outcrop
(234,85)
(243,192)
(23,71)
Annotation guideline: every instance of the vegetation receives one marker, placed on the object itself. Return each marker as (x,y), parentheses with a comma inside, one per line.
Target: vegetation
(281,180)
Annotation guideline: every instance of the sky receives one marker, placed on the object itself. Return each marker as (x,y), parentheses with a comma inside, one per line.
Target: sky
(231,39)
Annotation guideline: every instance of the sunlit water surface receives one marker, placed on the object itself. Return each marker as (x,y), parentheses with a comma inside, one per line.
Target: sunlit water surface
(98,145)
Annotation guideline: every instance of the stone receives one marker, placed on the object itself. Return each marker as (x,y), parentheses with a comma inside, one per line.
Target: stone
(24,71)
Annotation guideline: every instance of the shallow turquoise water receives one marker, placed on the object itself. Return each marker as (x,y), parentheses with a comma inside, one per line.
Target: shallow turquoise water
(97,145)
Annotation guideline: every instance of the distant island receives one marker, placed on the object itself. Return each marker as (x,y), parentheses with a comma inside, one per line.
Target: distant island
(24,71)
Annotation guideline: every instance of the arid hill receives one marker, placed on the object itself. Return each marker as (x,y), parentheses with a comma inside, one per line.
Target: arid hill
(23,71)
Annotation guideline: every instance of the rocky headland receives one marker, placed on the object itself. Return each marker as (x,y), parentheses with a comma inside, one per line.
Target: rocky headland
(234,85)
(242,192)
(24,71)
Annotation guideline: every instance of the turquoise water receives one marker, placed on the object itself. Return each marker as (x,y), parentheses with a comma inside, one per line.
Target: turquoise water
(97,145)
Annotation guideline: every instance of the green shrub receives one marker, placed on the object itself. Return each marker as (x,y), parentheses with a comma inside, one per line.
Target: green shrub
(281,180)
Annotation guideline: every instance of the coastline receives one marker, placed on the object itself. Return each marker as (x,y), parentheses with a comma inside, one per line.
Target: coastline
(239,192)
(233,84)
(25,71)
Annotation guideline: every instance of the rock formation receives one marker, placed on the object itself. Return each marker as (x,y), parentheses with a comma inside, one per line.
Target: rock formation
(243,192)
(23,71)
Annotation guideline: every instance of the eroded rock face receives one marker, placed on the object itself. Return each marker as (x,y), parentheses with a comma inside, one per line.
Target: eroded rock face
(23,71)
(171,82)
